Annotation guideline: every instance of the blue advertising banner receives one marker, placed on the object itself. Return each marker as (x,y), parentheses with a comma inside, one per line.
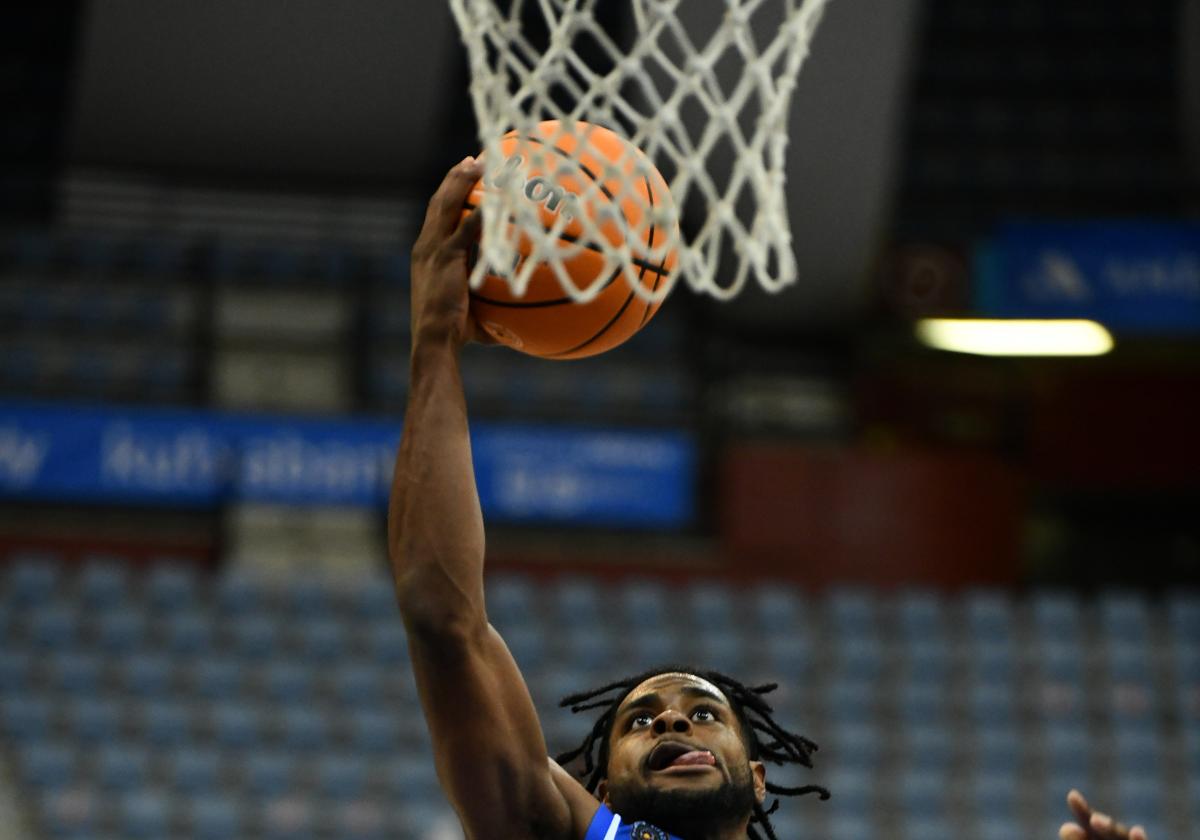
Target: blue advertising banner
(1139,276)
(202,459)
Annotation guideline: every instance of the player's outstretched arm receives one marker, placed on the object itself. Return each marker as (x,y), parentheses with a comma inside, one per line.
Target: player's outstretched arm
(1093,825)
(488,745)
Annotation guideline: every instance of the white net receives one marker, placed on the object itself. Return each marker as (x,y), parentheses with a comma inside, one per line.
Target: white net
(709,109)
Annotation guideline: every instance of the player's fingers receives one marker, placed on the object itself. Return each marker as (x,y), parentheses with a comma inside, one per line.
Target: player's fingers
(467,233)
(1072,831)
(1079,807)
(446,206)
(1137,833)
(1105,827)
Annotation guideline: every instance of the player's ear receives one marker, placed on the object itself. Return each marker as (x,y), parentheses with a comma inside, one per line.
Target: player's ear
(602,791)
(759,771)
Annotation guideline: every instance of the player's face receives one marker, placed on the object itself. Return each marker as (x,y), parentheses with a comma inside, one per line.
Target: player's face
(677,747)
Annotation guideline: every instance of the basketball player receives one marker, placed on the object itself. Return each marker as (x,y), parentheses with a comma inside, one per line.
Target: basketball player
(677,753)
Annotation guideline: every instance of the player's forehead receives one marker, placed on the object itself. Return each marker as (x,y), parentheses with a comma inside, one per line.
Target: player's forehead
(674,681)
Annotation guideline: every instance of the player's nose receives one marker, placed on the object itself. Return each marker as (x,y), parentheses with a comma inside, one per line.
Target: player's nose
(670,720)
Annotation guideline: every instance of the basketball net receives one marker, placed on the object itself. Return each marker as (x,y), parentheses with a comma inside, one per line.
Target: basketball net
(665,96)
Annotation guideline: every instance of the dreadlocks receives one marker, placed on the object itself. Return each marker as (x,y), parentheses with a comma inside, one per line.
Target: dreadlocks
(765,739)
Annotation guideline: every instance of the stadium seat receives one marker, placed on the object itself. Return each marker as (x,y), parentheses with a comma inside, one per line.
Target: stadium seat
(268,773)
(103,581)
(52,626)
(47,765)
(16,671)
(386,642)
(170,586)
(146,675)
(930,747)
(214,816)
(32,578)
(361,819)
(236,725)
(195,769)
(92,720)
(165,723)
(255,637)
(855,746)
(712,606)
(851,613)
(215,677)
(341,777)
(121,767)
(70,814)
(371,731)
(144,814)
(238,594)
(308,599)
(188,631)
(24,717)
(776,609)
(375,600)
(119,631)
(988,615)
(288,682)
(322,640)
(994,795)
(302,729)
(997,750)
(1056,614)
(73,672)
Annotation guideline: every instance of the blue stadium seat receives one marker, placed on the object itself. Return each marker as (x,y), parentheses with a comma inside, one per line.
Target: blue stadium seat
(997,750)
(1140,795)
(375,600)
(776,609)
(52,626)
(386,642)
(308,599)
(236,725)
(24,717)
(643,604)
(1056,614)
(992,660)
(850,827)
(103,581)
(215,816)
(356,684)
(195,769)
(341,777)
(16,671)
(920,613)
(144,814)
(411,778)
(92,720)
(120,766)
(858,657)
(850,699)
(361,819)
(165,723)
(147,674)
(288,682)
(787,654)
(372,731)
(725,650)
(171,586)
(287,818)
(920,701)
(47,765)
(1183,614)
(989,614)
(994,794)
(932,826)
(32,578)
(928,660)
(930,747)
(1067,748)
(855,745)
(70,814)
(74,672)
(188,630)
(303,729)
(851,612)
(528,646)
(239,595)
(215,677)
(586,645)
(268,773)
(119,631)
(323,640)
(713,606)
(255,637)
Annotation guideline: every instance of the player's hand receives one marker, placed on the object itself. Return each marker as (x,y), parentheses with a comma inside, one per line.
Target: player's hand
(440,262)
(1093,825)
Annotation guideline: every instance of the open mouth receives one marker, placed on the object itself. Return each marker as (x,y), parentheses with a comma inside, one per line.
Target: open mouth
(671,754)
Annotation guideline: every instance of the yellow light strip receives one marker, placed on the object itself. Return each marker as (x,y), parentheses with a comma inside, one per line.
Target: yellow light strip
(1015,337)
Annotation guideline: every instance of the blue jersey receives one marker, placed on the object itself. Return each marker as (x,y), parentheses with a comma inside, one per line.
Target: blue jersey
(609,826)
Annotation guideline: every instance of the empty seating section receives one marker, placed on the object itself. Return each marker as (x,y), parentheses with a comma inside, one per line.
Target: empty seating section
(242,325)
(167,702)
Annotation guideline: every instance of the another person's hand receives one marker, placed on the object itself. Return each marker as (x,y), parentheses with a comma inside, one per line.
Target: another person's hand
(1093,825)
(440,262)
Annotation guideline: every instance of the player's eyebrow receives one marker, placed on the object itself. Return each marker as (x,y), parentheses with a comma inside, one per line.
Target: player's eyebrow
(652,699)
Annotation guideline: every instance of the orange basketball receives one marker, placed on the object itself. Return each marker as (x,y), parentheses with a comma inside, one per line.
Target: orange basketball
(546,321)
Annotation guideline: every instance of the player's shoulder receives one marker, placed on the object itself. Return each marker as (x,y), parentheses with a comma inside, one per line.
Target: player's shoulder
(581,804)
